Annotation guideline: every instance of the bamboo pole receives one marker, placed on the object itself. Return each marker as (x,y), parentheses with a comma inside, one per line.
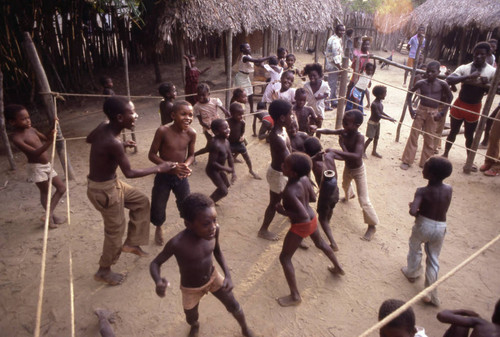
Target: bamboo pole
(316,47)
(342,92)
(482,121)
(5,138)
(229,58)
(127,84)
(43,84)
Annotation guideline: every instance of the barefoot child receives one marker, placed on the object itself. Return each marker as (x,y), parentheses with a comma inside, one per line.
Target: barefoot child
(34,145)
(317,91)
(325,173)
(107,85)
(110,196)
(219,153)
(192,77)
(297,195)
(297,138)
(172,143)
(377,113)
(168,92)
(193,249)
(206,111)
(360,88)
(305,115)
(237,135)
(240,96)
(427,114)
(281,90)
(429,207)
(279,144)
(267,121)
(352,143)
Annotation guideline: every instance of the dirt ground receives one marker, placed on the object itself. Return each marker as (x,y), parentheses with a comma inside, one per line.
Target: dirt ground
(332,306)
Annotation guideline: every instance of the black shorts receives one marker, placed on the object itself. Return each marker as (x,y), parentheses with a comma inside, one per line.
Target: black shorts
(238,147)
(328,196)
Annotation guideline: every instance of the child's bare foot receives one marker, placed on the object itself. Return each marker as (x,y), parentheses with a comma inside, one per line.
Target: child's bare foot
(134,250)
(109,277)
(238,161)
(375,154)
(254,135)
(268,235)
(352,196)
(410,279)
(369,233)
(105,314)
(404,166)
(303,245)
(195,329)
(365,156)
(255,175)
(334,246)
(58,219)
(248,333)
(336,270)
(159,236)
(288,301)
(431,300)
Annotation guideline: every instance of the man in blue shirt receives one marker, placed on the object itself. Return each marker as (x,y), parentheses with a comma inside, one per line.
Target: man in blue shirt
(412,47)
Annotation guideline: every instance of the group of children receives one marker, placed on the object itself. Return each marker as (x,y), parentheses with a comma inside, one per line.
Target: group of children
(294,155)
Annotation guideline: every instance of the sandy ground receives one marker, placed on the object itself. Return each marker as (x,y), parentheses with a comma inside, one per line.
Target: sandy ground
(332,306)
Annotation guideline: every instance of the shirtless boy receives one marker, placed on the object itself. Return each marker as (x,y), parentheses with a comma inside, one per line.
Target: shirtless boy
(168,92)
(297,138)
(110,196)
(297,195)
(462,320)
(279,144)
(219,153)
(305,115)
(352,144)
(432,90)
(34,145)
(172,143)
(429,207)
(325,173)
(237,135)
(193,249)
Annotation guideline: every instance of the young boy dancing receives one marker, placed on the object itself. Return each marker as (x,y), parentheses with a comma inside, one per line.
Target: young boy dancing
(297,195)
(193,249)
(352,144)
(305,115)
(172,143)
(279,144)
(237,135)
(110,196)
(427,114)
(34,145)
(429,207)
(377,113)
(168,92)
(219,153)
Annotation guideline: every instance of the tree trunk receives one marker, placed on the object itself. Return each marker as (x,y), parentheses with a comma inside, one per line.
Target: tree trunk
(5,139)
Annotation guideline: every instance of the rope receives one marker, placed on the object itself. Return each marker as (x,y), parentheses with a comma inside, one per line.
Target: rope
(429,288)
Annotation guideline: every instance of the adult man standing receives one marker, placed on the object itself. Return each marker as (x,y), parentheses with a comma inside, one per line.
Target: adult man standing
(467,106)
(333,53)
(412,47)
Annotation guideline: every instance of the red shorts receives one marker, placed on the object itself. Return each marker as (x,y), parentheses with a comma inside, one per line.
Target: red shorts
(457,111)
(304,229)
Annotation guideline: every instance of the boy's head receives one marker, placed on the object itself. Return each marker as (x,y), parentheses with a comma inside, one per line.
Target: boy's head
(192,59)
(220,128)
(273,61)
(356,42)
(281,53)
(290,60)
(480,51)
(167,90)
(401,326)
(312,146)
(432,70)
(300,98)
(203,92)
(261,106)
(340,30)
(286,80)
(421,31)
(365,44)
(199,215)
(119,109)
(297,165)
(493,44)
(182,114)
(352,120)
(314,71)
(236,111)
(495,318)
(293,128)
(245,48)
(106,82)
(239,95)
(437,168)
(379,91)
(281,112)
(17,116)
(369,68)
(349,32)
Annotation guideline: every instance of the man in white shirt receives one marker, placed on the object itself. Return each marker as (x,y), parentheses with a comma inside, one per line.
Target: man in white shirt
(334,51)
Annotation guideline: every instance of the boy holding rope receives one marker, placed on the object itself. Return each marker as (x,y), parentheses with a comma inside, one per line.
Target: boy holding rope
(110,196)
(35,145)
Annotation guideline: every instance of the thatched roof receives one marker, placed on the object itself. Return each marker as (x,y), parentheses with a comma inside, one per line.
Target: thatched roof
(446,14)
(198,17)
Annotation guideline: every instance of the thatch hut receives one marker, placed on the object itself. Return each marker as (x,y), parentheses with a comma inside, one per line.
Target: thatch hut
(455,26)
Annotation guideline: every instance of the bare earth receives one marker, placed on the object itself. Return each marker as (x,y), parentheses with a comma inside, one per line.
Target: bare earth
(331,306)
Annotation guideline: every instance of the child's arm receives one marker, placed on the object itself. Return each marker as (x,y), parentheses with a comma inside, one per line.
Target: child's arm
(376,108)
(29,150)
(230,162)
(415,204)
(205,70)
(181,171)
(328,132)
(227,285)
(243,126)
(154,268)
(367,94)
(118,152)
(247,58)
(465,318)
(212,159)
(409,98)
(188,62)
(446,97)
(345,154)
(224,110)
(203,123)
(264,128)
(190,150)
(295,210)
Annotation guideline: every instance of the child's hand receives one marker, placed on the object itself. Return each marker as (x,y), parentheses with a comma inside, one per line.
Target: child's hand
(165,167)
(242,139)
(129,143)
(280,209)
(227,285)
(161,287)
(393,120)
(51,135)
(181,170)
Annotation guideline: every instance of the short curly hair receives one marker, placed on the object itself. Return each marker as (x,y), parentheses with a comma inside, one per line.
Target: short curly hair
(405,320)
(193,204)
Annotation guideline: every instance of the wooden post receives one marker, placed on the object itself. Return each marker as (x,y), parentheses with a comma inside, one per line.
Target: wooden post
(43,84)
(316,47)
(182,52)
(463,47)
(265,43)
(482,121)
(410,85)
(5,138)
(342,92)
(229,51)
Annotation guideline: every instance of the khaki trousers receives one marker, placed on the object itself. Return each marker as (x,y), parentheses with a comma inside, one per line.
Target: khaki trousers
(359,177)
(424,120)
(494,144)
(111,198)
